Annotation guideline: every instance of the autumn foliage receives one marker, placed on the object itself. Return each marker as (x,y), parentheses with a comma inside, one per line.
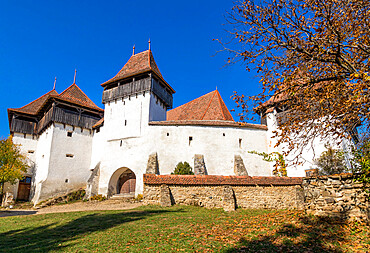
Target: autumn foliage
(12,163)
(313,60)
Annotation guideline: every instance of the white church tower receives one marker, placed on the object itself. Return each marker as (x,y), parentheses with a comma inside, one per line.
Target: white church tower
(137,95)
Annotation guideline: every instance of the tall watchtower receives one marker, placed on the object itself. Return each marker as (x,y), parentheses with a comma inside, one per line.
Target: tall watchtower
(136,95)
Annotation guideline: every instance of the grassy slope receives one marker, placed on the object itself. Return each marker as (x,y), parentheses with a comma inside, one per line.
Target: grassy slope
(180,228)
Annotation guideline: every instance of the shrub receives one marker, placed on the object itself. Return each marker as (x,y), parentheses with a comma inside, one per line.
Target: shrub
(183,169)
(331,162)
(361,161)
(139,197)
(98,197)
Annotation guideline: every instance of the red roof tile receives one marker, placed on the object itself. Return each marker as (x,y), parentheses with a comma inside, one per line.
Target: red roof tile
(207,107)
(72,94)
(137,64)
(99,123)
(75,95)
(222,123)
(34,107)
(152,179)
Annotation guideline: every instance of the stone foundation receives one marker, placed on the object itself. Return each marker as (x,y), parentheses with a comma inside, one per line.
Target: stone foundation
(337,196)
(210,192)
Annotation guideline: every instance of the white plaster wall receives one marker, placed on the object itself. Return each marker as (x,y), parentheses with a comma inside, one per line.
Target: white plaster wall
(26,145)
(218,151)
(134,110)
(98,147)
(309,153)
(157,110)
(61,168)
(42,162)
(121,146)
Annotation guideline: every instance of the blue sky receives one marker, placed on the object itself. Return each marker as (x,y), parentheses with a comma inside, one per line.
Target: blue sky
(43,39)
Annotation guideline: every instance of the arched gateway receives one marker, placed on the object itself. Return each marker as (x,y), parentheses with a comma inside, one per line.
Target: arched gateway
(122,182)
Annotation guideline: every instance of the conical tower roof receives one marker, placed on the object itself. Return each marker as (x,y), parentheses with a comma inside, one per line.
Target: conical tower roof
(207,107)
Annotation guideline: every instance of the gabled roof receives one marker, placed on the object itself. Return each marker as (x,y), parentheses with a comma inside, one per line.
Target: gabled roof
(72,94)
(207,107)
(75,95)
(137,64)
(34,106)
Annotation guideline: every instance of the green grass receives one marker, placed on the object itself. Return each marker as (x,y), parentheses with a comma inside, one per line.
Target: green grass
(180,228)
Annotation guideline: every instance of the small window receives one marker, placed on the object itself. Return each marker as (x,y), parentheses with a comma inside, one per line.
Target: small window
(66,180)
(31,151)
(168,134)
(125,122)
(190,139)
(240,143)
(69,134)
(69,155)
(120,143)
(223,134)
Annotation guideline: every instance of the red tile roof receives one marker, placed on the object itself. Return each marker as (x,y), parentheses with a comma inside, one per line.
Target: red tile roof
(99,123)
(151,179)
(137,64)
(72,94)
(207,107)
(75,95)
(34,107)
(222,123)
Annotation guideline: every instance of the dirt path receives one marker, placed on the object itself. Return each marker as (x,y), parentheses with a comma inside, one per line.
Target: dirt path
(74,207)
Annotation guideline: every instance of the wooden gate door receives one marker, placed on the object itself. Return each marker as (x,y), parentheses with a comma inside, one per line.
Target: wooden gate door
(24,189)
(128,183)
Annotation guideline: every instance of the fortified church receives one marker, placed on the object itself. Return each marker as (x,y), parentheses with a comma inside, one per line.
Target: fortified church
(71,143)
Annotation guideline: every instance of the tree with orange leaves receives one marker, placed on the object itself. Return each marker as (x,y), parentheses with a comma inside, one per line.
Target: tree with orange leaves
(12,163)
(313,60)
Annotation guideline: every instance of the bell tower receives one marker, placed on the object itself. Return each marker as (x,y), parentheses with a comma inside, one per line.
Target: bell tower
(136,95)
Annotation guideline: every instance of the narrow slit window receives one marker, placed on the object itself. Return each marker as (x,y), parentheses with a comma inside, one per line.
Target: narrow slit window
(69,155)
(120,143)
(223,134)
(31,151)
(240,143)
(69,134)
(190,139)
(125,122)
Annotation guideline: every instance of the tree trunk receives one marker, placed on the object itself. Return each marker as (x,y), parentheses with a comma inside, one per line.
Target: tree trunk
(1,192)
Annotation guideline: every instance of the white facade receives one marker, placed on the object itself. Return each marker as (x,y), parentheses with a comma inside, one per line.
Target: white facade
(126,140)
(309,153)
(66,158)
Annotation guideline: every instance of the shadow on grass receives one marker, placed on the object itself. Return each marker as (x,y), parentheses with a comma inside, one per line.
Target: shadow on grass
(51,236)
(311,234)
(8,213)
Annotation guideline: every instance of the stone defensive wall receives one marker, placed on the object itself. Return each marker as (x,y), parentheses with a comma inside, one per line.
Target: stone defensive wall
(226,192)
(338,196)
